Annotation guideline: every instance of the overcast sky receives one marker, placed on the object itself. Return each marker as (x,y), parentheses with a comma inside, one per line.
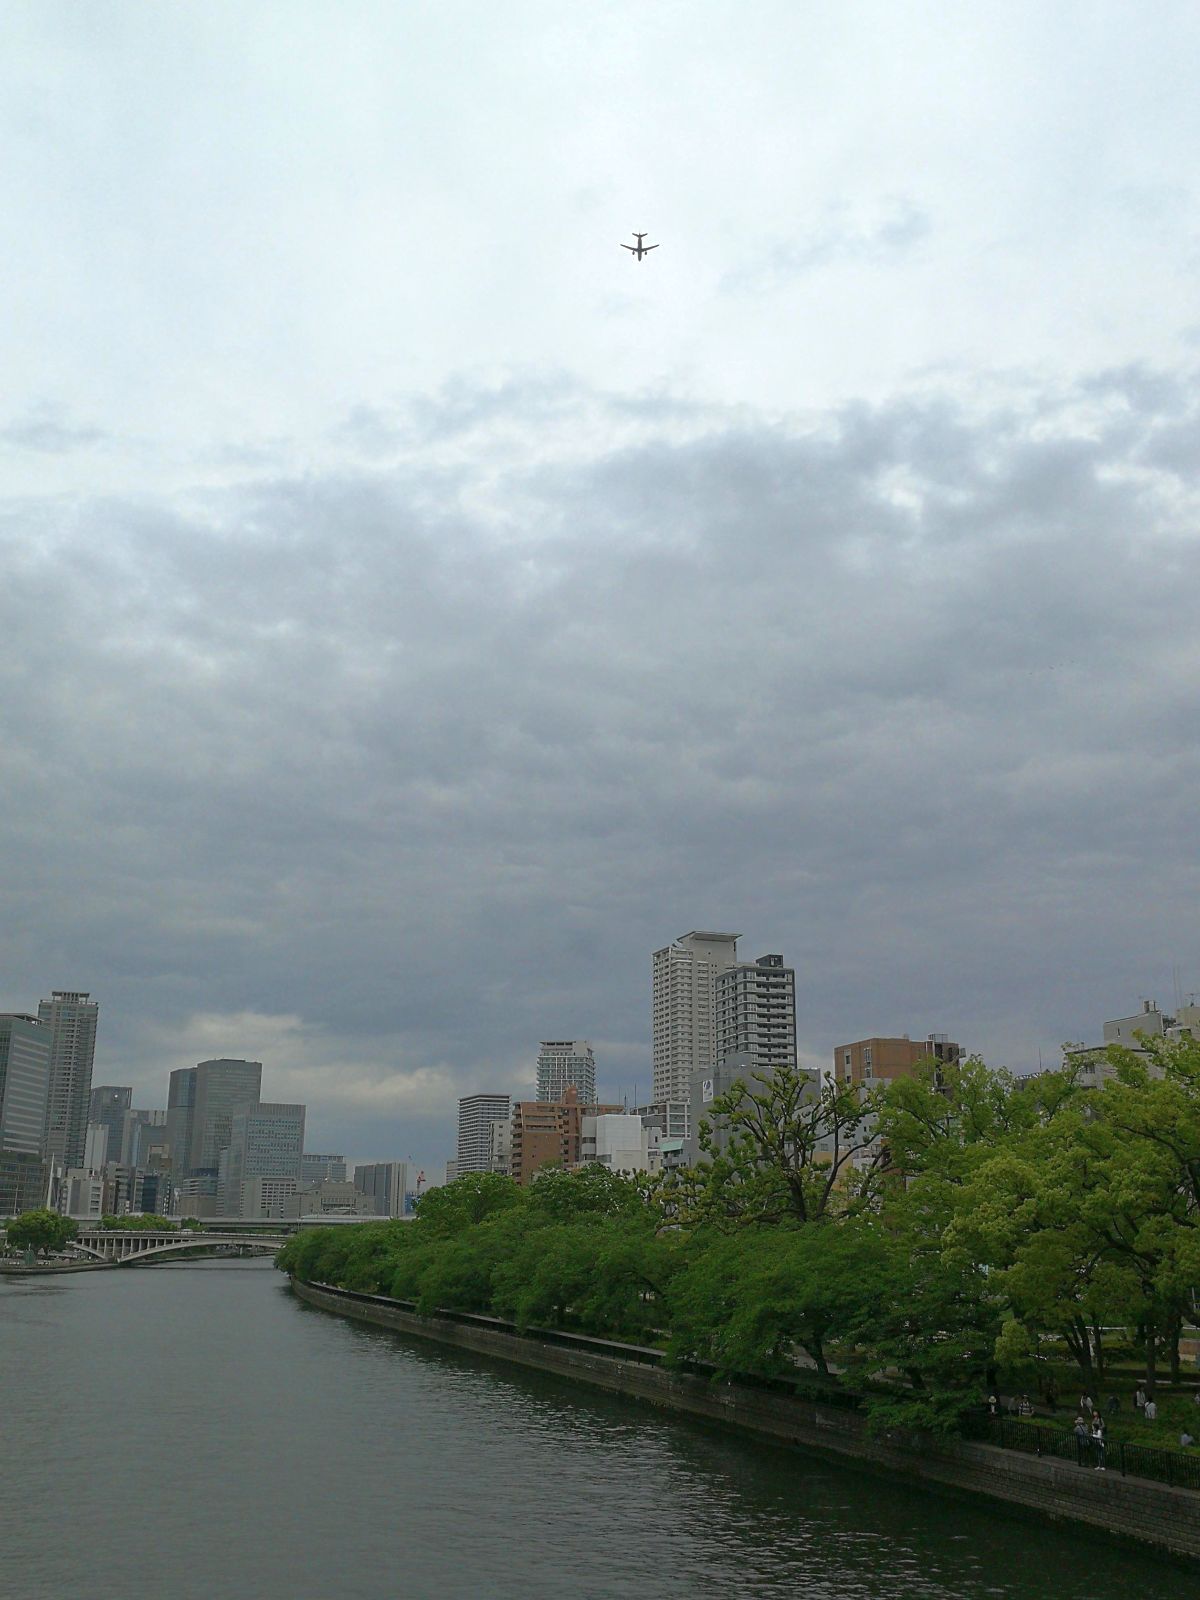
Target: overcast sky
(414,610)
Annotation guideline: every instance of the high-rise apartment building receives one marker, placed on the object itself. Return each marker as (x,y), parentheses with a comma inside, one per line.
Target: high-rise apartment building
(71,1016)
(501,1157)
(683,1028)
(476,1113)
(109,1105)
(24,1083)
(563,1064)
(756,1015)
(265,1141)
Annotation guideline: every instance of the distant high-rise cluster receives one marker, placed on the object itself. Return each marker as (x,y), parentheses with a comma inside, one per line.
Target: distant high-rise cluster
(215,1150)
(218,1150)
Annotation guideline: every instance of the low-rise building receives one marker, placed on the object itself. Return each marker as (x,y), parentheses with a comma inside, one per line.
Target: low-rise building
(620,1141)
(266,1198)
(670,1117)
(549,1133)
(874,1060)
(1131,1033)
(322,1169)
(332,1199)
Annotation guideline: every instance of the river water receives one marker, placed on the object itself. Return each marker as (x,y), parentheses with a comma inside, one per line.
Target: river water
(192,1431)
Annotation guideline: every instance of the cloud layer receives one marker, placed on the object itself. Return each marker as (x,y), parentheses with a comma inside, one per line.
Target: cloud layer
(388,770)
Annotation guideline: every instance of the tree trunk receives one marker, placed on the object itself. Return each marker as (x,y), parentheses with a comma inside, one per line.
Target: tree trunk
(1098,1347)
(1174,1329)
(1078,1343)
(1151,1356)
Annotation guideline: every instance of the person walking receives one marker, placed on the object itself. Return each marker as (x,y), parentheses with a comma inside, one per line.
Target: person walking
(1139,1398)
(1050,1394)
(1081,1437)
(1098,1440)
(993,1404)
(1025,1409)
(1085,1404)
(1150,1412)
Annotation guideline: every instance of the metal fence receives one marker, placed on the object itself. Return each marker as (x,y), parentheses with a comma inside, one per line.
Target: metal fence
(1180,1468)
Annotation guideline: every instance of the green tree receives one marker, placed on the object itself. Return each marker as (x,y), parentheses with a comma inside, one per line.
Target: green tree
(40,1231)
(135,1222)
(755,1300)
(593,1190)
(790,1149)
(468,1200)
(927,1319)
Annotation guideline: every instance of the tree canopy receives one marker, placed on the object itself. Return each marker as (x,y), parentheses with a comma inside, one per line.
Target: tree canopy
(40,1231)
(907,1241)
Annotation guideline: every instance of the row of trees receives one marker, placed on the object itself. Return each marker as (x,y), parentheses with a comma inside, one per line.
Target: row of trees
(912,1242)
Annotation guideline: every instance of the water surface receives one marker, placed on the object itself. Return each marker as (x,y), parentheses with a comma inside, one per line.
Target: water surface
(194,1431)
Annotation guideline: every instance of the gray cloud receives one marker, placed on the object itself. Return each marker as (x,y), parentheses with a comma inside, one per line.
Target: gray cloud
(45,429)
(837,238)
(389,770)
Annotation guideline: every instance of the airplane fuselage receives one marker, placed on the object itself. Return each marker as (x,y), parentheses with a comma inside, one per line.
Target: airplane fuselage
(637,251)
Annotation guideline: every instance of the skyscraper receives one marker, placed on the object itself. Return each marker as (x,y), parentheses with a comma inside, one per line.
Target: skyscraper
(562,1062)
(201,1104)
(266,1141)
(109,1104)
(386,1184)
(476,1113)
(756,1015)
(24,1083)
(181,1112)
(683,1027)
(71,1016)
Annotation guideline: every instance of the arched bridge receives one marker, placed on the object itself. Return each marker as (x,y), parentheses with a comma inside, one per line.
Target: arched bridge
(124,1245)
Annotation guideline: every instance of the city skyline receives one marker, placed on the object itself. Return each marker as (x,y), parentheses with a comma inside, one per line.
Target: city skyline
(384,677)
(444,1133)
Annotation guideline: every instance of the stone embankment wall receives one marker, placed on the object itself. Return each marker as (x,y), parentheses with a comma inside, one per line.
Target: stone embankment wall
(1133,1509)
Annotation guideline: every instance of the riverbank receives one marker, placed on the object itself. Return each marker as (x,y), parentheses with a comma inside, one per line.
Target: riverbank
(1132,1510)
(25,1269)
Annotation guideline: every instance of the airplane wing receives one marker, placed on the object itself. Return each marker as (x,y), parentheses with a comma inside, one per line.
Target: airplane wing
(646,247)
(632,250)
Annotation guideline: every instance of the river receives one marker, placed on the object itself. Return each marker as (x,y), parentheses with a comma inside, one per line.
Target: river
(192,1431)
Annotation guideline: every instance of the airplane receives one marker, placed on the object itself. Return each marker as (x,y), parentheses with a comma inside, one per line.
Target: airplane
(639,250)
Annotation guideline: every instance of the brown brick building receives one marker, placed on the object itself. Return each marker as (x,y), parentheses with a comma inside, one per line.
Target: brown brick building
(873,1060)
(549,1131)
